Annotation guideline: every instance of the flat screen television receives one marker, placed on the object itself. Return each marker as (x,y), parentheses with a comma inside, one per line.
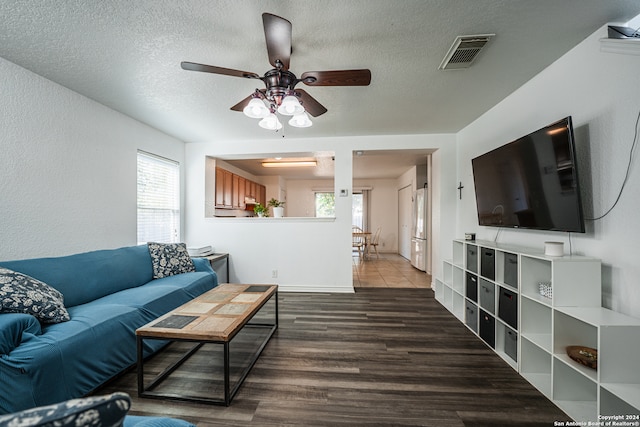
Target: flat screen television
(531,182)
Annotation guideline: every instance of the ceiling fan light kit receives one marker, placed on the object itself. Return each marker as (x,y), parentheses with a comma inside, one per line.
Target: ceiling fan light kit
(280,94)
(301,120)
(270,122)
(256,109)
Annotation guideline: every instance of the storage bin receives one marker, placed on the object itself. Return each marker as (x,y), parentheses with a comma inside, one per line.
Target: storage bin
(471,316)
(487,328)
(511,344)
(511,270)
(487,296)
(472,258)
(488,263)
(508,307)
(472,287)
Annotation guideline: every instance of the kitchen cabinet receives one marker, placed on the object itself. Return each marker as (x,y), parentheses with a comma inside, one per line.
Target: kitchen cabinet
(224,188)
(232,190)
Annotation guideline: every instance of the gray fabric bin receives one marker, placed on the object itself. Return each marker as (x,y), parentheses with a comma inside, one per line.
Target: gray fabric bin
(487,296)
(511,270)
(471,316)
(511,344)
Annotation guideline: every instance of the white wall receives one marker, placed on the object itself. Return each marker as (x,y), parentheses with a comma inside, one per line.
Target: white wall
(601,91)
(309,254)
(301,195)
(67,169)
(383,210)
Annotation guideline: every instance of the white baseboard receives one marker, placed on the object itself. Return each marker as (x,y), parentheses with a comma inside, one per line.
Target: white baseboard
(316,288)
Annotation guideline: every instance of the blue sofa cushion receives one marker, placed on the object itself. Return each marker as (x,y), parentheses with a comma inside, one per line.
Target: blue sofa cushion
(88,276)
(104,411)
(169,259)
(20,293)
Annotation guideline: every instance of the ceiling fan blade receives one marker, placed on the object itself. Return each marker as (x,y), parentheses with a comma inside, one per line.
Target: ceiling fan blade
(309,103)
(240,105)
(192,66)
(277,32)
(337,78)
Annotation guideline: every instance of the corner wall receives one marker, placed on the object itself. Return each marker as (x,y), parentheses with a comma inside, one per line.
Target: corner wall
(601,92)
(67,169)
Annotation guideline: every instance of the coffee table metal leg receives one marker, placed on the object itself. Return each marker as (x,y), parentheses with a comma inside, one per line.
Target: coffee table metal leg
(227,391)
(140,368)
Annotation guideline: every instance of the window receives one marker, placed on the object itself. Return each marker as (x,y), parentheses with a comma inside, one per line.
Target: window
(325,205)
(357,210)
(158,199)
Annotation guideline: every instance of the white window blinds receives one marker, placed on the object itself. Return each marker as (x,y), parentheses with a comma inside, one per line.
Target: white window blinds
(158,199)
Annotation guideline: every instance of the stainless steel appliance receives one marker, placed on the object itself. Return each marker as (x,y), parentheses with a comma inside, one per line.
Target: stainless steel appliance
(419,230)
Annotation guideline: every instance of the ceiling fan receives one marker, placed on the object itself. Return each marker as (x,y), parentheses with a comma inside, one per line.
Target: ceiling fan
(280,93)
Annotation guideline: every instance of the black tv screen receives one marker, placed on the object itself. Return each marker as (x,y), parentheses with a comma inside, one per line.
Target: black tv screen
(531,182)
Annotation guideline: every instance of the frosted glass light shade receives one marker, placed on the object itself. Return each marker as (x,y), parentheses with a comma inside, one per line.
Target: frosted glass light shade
(300,121)
(256,109)
(270,122)
(290,106)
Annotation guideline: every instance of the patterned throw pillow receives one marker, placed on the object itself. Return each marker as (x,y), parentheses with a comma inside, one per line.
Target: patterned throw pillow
(20,293)
(104,411)
(169,259)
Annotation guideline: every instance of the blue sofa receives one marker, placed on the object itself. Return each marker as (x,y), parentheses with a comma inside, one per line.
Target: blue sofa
(108,294)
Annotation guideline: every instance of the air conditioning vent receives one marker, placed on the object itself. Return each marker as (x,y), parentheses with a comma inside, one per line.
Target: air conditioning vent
(464,51)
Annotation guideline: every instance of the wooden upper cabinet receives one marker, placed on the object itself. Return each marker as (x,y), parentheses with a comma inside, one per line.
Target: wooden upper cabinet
(262,195)
(224,188)
(231,190)
(239,184)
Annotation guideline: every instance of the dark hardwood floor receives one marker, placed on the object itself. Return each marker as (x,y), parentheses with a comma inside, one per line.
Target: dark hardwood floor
(376,357)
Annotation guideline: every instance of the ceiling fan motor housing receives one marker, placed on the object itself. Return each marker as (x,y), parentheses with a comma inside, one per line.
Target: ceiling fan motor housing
(279,83)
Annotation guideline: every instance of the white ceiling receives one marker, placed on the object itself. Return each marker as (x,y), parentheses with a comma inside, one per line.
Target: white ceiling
(126,55)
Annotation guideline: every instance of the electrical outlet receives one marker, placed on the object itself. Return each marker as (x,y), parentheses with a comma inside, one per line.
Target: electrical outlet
(274,274)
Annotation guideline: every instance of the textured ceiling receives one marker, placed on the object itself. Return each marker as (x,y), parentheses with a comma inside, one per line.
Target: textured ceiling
(126,54)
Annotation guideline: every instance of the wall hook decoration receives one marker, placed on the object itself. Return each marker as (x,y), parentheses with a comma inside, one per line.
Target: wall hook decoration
(460,187)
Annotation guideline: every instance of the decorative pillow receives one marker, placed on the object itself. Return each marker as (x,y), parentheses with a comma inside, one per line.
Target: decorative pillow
(20,293)
(169,259)
(104,411)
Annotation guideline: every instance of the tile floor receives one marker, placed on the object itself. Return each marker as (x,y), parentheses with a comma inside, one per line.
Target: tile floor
(389,271)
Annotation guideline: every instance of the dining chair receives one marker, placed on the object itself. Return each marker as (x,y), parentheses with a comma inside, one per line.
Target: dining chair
(375,240)
(357,240)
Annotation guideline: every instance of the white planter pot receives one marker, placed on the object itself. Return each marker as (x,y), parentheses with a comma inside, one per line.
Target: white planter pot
(278,212)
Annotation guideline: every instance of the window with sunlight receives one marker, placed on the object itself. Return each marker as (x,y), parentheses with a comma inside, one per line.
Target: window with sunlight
(158,199)
(325,204)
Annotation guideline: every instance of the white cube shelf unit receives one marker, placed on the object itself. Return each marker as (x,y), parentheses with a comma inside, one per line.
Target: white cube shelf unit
(495,290)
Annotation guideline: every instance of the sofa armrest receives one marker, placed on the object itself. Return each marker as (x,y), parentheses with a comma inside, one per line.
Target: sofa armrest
(13,326)
(202,264)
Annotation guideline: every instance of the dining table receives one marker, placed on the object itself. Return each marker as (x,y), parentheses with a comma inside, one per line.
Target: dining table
(366,236)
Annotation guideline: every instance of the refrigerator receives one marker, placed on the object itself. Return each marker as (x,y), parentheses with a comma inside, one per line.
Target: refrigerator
(419,230)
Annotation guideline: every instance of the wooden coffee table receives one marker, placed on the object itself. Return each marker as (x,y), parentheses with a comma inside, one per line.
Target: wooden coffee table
(214,317)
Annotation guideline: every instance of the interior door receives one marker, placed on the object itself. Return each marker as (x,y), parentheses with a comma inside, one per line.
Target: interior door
(404,221)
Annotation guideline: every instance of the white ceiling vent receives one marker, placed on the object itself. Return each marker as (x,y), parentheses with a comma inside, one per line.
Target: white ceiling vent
(463,51)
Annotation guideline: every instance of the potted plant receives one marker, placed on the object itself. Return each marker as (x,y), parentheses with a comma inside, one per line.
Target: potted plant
(260,210)
(278,207)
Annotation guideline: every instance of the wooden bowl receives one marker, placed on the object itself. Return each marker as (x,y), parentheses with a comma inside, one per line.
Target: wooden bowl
(584,355)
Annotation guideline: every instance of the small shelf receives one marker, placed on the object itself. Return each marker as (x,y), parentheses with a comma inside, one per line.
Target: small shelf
(535,366)
(458,253)
(536,323)
(458,280)
(458,305)
(574,393)
(622,395)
